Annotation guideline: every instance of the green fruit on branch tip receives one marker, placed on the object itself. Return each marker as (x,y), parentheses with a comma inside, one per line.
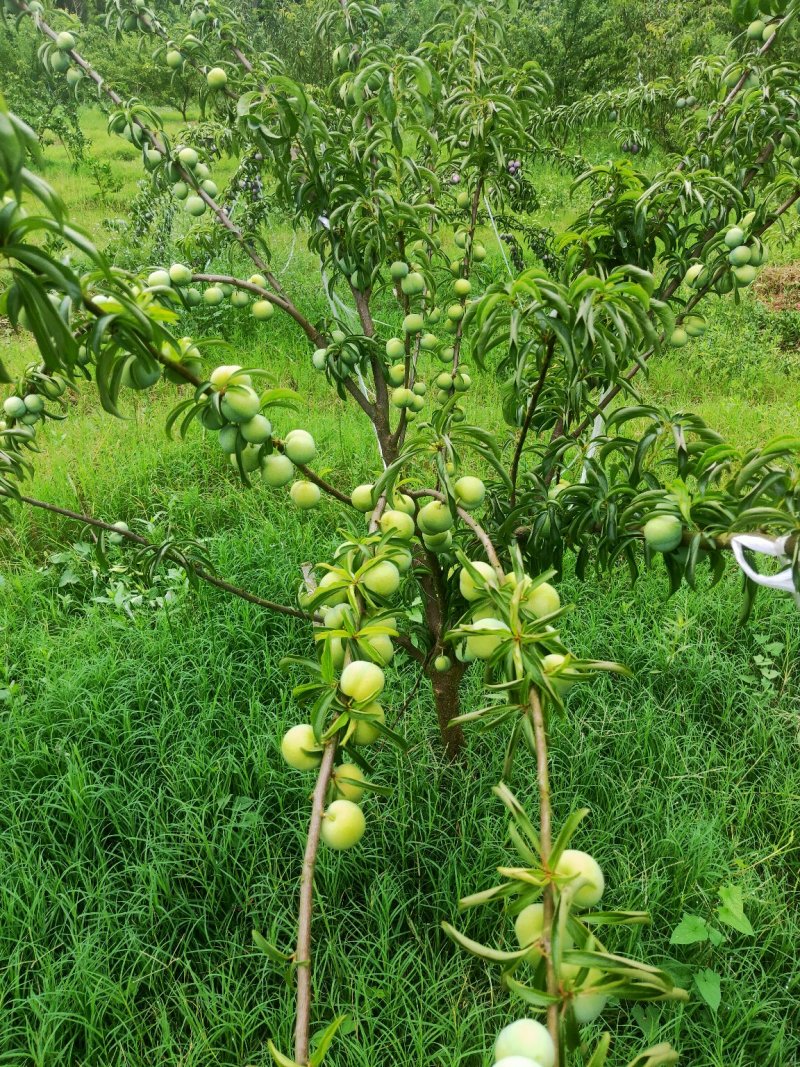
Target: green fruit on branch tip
(734,237)
(455,312)
(586,1006)
(413,284)
(228,436)
(403,502)
(346,781)
(396,375)
(179,274)
(395,349)
(259,280)
(34,403)
(365,732)
(484,645)
(472,590)
(14,407)
(679,337)
(442,663)
(256,430)
(586,883)
(262,309)
(478,252)
(429,342)
(250,458)
(362,681)
(174,59)
(693,273)
(470,492)
(381,645)
(413,323)
(299,446)
(240,403)
(217,78)
(382,579)
(526,1038)
(319,359)
(300,748)
(343,825)
(140,374)
(463,199)
(695,325)
(208,186)
(745,275)
(462,287)
(188,158)
(402,397)
(435,517)
(663,533)
(362,499)
(755,30)
(65,42)
(305,495)
(158,277)
(398,523)
(228,374)
(195,205)
(180,190)
(75,77)
(398,270)
(543,600)
(739,256)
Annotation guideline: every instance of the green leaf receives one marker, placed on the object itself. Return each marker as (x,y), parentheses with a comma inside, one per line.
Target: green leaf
(279,1058)
(731,911)
(535,997)
(600,1054)
(709,986)
(494,955)
(317,1056)
(689,931)
(269,950)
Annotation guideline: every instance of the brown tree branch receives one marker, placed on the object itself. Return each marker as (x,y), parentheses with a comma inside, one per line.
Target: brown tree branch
(176,557)
(545,818)
(526,425)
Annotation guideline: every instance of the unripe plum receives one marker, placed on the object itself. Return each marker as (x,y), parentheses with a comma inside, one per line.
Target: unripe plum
(362,681)
(300,748)
(526,1038)
(343,825)
(305,495)
(581,867)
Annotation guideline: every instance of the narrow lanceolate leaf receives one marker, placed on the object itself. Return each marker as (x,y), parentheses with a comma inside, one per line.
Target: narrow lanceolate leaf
(731,911)
(616,918)
(318,1055)
(537,998)
(269,950)
(657,1056)
(565,835)
(600,1054)
(495,955)
(519,816)
(504,890)
(279,1058)
(709,986)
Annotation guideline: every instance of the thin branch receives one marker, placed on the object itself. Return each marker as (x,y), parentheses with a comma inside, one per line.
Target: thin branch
(176,557)
(302,956)
(543,782)
(532,404)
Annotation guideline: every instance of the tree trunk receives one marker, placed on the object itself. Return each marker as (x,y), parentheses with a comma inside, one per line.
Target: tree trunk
(447,699)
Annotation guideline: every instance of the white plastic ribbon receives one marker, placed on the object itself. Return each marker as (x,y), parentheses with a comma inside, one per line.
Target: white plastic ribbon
(766,547)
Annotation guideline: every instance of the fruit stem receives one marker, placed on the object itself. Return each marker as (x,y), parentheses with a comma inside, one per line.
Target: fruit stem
(302,956)
(543,781)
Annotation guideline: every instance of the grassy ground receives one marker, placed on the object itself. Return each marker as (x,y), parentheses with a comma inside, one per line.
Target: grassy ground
(148,825)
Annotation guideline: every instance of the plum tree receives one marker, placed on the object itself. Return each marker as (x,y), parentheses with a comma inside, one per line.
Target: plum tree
(467,528)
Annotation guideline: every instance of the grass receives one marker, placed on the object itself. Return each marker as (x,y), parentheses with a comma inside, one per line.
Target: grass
(147,824)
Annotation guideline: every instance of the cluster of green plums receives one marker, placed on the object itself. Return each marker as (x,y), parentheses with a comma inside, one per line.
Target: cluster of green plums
(580,884)
(745,256)
(187,164)
(343,822)
(25,409)
(179,276)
